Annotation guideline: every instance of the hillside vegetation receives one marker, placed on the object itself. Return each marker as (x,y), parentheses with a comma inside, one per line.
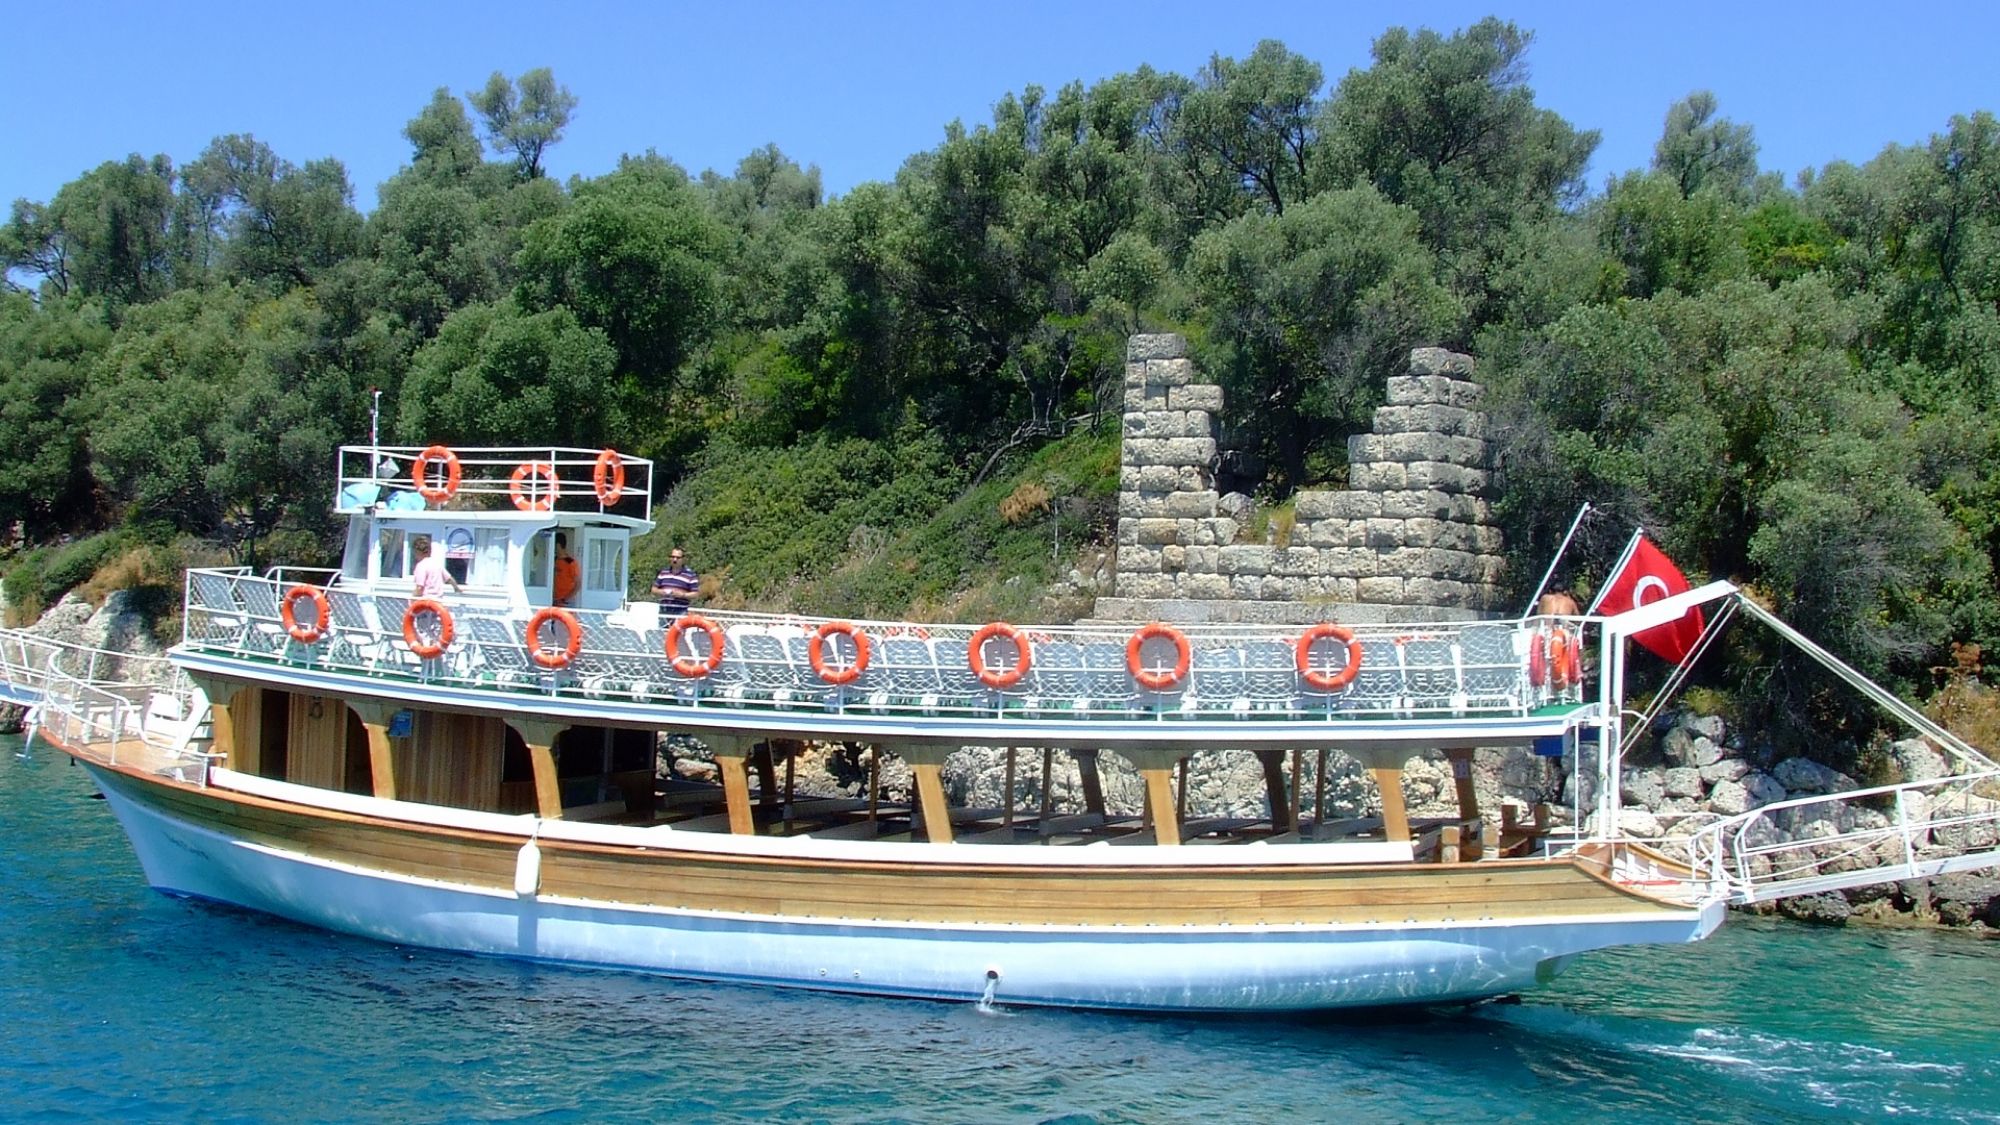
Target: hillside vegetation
(904,399)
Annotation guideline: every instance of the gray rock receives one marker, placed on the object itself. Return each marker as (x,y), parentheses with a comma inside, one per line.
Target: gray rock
(1682,781)
(1729,797)
(1763,789)
(1828,909)
(1966,897)
(1439,361)
(1807,777)
(1706,726)
(1724,769)
(1643,788)
(1869,892)
(1159,345)
(1235,505)
(1916,761)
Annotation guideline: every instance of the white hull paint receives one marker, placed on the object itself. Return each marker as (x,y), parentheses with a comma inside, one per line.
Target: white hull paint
(1220,969)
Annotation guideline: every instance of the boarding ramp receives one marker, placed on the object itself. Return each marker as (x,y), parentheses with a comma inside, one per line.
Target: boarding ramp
(1815,844)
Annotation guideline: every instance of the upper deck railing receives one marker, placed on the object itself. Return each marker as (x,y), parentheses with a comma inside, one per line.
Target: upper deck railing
(408,478)
(792,663)
(27,660)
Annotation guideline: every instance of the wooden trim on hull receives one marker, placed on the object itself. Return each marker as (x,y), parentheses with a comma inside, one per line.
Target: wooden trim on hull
(969,894)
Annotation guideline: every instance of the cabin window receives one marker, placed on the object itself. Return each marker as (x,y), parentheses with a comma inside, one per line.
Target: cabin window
(458,553)
(389,551)
(354,560)
(489,556)
(604,569)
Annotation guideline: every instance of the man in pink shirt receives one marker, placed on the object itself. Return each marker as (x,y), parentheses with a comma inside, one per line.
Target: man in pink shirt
(430,575)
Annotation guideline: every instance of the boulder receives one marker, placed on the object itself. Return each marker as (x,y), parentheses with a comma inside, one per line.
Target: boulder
(1682,781)
(1804,777)
(1710,727)
(1826,909)
(1763,789)
(1643,788)
(1725,769)
(1917,761)
(1729,798)
(1966,897)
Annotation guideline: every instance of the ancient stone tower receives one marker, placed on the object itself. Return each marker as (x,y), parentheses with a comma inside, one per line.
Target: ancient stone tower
(1412,538)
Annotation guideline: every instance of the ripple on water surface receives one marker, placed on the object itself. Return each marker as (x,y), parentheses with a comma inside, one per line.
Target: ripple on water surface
(119,1003)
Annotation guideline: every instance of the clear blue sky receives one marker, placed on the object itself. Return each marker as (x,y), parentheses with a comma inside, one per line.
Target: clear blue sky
(857,87)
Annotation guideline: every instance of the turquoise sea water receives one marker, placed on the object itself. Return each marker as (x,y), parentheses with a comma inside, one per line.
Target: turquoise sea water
(120,1003)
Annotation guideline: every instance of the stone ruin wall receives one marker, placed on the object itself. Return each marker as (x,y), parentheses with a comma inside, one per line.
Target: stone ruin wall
(1411,538)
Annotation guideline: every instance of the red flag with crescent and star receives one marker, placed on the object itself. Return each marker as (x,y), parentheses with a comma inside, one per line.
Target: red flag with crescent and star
(1645,576)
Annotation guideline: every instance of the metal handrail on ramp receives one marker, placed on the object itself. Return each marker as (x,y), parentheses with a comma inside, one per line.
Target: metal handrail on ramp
(1810,845)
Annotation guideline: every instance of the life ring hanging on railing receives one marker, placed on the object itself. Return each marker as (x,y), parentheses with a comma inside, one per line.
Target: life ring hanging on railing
(436,457)
(1320,679)
(999,679)
(302,631)
(533,486)
(554,659)
(1158,679)
(1538,659)
(817,646)
(435,646)
(608,477)
(1563,670)
(687,664)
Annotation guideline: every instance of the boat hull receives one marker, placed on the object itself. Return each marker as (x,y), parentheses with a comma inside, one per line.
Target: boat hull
(1210,968)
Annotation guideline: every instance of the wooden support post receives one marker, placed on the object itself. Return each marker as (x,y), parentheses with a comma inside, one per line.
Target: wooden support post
(767,773)
(1461,779)
(540,738)
(1092,781)
(375,718)
(930,795)
(1319,792)
(1395,816)
(1160,798)
(736,791)
(1448,844)
(1273,762)
(1048,785)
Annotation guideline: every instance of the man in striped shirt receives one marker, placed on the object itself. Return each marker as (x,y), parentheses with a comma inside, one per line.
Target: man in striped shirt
(675,585)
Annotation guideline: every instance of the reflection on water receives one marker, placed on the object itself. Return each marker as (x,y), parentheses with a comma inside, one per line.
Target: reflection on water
(116,1002)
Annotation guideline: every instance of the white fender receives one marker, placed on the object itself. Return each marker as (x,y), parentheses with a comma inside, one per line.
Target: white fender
(528,869)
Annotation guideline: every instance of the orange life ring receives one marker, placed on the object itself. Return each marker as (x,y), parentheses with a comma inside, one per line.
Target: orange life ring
(999,678)
(305,632)
(420,646)
(1563,670)
(1328,681)
(1158,679)
(608,477)
(816,653)
(1538,659)
(439,456)
(690,666)
(527,490)
(554,659)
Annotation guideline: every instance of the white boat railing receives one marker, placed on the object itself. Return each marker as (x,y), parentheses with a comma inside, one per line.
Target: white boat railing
(1813,844)
(27,660)
(1209,672)
(137,724)
(408,478)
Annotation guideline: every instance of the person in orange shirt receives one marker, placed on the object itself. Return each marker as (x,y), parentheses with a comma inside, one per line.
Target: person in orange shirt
(569,575)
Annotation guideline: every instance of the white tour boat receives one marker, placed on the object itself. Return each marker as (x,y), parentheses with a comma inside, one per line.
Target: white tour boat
(476,772)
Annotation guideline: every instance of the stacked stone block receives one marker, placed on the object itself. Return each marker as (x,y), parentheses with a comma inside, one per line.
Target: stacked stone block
(1412,537)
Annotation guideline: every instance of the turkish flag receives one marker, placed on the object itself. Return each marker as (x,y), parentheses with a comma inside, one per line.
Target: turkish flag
(1647,576)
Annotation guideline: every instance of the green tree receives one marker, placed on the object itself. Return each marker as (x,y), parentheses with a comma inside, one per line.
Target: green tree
(278,223)
(525,116)
(1699,150)
(499,375)
(1311,310)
